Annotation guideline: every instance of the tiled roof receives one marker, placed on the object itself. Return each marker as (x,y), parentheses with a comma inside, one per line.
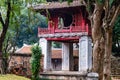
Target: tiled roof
(56,53)
(55,5)
(76,53)
(26,49)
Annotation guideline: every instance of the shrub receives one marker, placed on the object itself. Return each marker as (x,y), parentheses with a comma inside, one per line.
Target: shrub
(35,62)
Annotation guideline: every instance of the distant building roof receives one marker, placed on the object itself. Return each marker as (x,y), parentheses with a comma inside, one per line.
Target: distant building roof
(56,53)
(55,5)
(26,49)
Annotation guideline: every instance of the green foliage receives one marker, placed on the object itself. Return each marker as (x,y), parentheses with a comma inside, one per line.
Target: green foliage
(110,2)
(100,1)
(69,1)
(11,12)
(56,45)
(35,62)
(9,41)
(27,32)
(116,38)
(90,7)
(22,20)
(8,47)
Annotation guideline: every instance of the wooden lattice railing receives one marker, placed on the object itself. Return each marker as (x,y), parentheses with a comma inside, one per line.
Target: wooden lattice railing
(53,29)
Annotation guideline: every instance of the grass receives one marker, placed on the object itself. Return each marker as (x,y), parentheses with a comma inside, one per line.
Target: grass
(12,77)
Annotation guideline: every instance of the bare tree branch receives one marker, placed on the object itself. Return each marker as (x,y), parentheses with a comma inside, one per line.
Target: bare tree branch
(1,19)
(7,45)
(13,51)
(117,12)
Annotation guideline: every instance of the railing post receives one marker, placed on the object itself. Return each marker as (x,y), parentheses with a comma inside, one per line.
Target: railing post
(71,28)
(83,25)
(87,30)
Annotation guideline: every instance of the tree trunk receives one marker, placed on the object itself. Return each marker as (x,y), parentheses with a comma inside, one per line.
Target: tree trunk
(98,41)
(5,65)
(107,56)
(2,37)
(5,25)
(0,56)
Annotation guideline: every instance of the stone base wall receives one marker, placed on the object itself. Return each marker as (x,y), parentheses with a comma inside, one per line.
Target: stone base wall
(64,77)
(115,65)
(68,75)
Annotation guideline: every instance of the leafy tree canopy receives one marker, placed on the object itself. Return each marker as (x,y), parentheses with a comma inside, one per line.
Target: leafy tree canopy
(23,23)
(12,15)
(27,32)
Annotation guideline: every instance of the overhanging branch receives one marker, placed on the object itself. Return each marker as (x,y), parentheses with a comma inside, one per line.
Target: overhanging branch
(117,12)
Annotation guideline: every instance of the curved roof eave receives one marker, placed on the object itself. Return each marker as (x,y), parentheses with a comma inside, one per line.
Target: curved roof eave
(57,5)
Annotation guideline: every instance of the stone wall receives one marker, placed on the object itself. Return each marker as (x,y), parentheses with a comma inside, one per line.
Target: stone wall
(20,65)
(115,65)
(68,75)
